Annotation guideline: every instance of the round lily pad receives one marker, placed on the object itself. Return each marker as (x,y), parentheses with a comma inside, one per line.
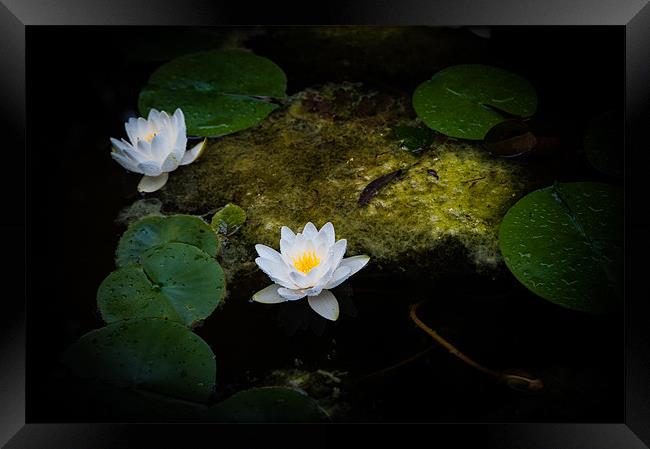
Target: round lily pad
(176,281)
(150,354)
(269,404)
(152,231)
(219,91)
(565,244)
(228,218)
(466,101)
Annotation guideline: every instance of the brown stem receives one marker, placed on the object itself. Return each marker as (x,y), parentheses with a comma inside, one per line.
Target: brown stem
(513,378)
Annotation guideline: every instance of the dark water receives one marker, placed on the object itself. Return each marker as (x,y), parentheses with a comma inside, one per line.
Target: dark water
(84,85)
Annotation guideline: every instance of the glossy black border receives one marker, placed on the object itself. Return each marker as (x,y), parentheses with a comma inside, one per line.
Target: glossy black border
(15,15)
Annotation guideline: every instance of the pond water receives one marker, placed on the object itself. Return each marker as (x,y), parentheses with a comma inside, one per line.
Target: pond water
(361,368)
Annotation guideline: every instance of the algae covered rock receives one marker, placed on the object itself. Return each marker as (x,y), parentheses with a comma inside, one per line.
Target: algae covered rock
(310,161)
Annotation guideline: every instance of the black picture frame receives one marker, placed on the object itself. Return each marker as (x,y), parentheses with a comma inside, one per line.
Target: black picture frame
(633,15)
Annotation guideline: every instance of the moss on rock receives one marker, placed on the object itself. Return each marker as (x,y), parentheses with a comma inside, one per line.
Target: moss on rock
(310,160)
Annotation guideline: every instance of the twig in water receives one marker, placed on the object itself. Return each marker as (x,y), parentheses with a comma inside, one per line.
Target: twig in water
(514,379)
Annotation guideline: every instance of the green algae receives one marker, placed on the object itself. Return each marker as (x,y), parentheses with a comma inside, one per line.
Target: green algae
(310,160)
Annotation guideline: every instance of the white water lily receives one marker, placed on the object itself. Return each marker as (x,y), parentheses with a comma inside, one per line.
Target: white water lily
(157,145)
(308,264)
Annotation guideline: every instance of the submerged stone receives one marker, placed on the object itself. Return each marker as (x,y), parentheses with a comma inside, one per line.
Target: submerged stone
(311,160)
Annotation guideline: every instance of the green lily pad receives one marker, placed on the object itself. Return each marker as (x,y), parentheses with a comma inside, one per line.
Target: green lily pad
(269,404)
(565,244)
(412,138)
(150,354)
(152,231)
(219,91)
(603,143)
(175,281)
(228,218)
(466,101)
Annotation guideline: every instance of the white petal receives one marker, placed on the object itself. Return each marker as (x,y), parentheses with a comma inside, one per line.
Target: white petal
(314,291)
(272,267)
(286,247)
(144,148)
(153,114)
(164,117)
(131,154)
(276,271)
(178,122)
(142,129)
(180,146)
(291,294)
(266,252)
(303,280)
(179,116)
(192,154)
(149,168)
(310,231)
(131,128)
(287,234)
(325,305)
(170,163)
(269,295)
(355,263)
(150,184)
(326,235)
(339,276)
(179,138)
(299,245)
(332,262)
(121,145)
(125,162)
(338,250)
(159,148)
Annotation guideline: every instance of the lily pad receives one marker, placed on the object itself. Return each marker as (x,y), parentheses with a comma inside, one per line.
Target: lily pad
(175,281)
(219,91)
(150,354)
(412,138)
(565,244)
(269,404)
(228,219)
(466,101)
(603,143)
(153,231)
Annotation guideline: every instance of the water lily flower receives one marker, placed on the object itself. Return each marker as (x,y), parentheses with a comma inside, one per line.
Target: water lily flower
(157,145)
(308,264)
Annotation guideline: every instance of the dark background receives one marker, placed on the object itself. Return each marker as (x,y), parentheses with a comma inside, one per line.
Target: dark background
(84,84)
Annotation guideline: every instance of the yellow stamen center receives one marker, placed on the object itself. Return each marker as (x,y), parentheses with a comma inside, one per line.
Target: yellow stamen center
(150,137)
(306,261)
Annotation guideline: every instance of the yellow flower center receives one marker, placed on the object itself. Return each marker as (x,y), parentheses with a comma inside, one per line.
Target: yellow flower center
(150,137)
(306,261)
